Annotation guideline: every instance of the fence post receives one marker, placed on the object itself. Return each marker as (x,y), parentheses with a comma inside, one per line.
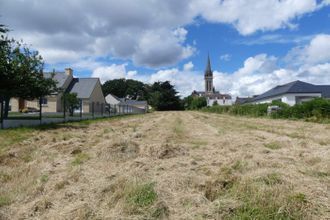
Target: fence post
(64,107)
(93,109)
(1,114)
(80,113)
(40,110)
(102,105)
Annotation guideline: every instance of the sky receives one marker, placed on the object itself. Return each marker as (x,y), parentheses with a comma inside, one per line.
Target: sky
(253,45)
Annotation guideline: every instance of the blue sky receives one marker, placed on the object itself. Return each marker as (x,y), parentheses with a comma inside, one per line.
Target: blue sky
(253,45)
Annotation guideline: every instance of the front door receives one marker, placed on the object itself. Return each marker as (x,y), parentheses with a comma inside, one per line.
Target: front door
(21,104)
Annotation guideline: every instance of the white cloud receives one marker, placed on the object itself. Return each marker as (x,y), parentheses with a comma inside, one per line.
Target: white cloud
(317,51)
(150,33)
(250,16)
(111,72)
(225,57)
(188,66)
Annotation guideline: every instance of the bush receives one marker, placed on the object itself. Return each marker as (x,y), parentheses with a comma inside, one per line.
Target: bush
(317,109)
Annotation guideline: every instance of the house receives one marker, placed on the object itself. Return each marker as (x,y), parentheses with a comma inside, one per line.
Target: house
(212,96)
(244,100)
(114,100)
(293,93)
(88,90)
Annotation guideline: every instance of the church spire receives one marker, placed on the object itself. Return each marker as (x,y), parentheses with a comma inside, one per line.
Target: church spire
(208,77)
(208,70)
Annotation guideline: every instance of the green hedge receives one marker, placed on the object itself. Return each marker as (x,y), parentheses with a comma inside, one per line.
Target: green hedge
(317,109)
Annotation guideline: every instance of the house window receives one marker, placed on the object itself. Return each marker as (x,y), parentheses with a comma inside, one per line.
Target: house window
(44,101)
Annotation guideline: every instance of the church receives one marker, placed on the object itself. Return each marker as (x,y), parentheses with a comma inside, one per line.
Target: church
(212,96)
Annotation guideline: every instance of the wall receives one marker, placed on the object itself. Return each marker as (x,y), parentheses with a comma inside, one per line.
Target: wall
(111,100)
(97,97)
(14,104)
(219,101)
(51,105)
(289,99)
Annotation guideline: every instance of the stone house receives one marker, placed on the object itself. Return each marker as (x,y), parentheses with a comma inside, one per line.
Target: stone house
(88,90)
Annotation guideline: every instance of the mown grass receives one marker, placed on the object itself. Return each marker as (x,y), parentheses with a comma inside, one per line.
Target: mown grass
(4,200)
(273,145)
(267,202)
(141,196)
(178,127)
(13,136)
(80,159)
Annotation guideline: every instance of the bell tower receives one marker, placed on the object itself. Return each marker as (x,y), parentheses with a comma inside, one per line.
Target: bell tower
(208,77)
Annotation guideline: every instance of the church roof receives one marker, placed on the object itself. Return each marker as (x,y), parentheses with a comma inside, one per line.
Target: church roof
(214,95)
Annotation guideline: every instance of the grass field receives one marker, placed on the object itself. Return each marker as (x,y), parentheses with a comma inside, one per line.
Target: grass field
(167,165)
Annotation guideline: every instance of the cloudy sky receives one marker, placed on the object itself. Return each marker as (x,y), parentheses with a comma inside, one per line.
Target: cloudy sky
(254,45)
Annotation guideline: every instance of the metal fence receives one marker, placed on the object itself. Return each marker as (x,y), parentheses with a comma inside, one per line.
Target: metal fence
(42,116)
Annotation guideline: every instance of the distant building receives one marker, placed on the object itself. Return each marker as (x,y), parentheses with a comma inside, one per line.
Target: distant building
(293,93)
(114,100)
(88,90)
(212,96)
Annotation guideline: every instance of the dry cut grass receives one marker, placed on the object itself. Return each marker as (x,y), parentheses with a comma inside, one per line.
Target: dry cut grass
(167,165)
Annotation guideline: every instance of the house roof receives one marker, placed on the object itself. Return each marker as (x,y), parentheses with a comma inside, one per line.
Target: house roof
(292,87)
(83,87)
(135,102)
(213,95)
(325,90)
(59,77)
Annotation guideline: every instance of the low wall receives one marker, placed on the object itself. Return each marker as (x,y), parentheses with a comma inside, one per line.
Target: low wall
(14,123)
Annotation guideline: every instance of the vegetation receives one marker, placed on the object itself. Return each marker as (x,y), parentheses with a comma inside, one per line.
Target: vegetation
(71,102)
(194,102)
(129,88)
(21,72)
(317,110)
(163,96)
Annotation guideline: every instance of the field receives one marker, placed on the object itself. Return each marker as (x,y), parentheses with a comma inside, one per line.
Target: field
(167,165)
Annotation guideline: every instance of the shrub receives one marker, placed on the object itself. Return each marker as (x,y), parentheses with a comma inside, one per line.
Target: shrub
(317,109)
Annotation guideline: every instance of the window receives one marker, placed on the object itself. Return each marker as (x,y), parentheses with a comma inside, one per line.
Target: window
(44,101)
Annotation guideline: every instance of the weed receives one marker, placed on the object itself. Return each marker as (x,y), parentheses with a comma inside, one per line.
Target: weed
(44,178)
(4,177)
(80,158)
(142,195)
(273,145)
(271,179)
(4,200)
(60,185)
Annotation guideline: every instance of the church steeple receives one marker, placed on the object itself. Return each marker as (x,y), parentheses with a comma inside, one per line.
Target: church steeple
(208,70)
(208,76)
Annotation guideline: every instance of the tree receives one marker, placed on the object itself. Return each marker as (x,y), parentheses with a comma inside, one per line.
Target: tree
(71,102)
(21,72)
(130,88)
(164,97)
(194,102)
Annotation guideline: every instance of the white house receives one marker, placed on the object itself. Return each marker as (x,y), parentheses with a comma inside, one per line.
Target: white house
(293,93)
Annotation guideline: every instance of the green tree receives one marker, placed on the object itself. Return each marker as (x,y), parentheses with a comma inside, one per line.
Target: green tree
(126,88)
(194,102)
(71,102)
(163,96)
(21,72)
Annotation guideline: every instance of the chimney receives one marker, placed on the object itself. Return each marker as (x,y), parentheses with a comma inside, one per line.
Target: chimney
(69,71)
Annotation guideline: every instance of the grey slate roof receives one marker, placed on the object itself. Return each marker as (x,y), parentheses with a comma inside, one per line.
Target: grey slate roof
(82,86)
(325,90)
(292,87)
(59,77)
(213,95)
